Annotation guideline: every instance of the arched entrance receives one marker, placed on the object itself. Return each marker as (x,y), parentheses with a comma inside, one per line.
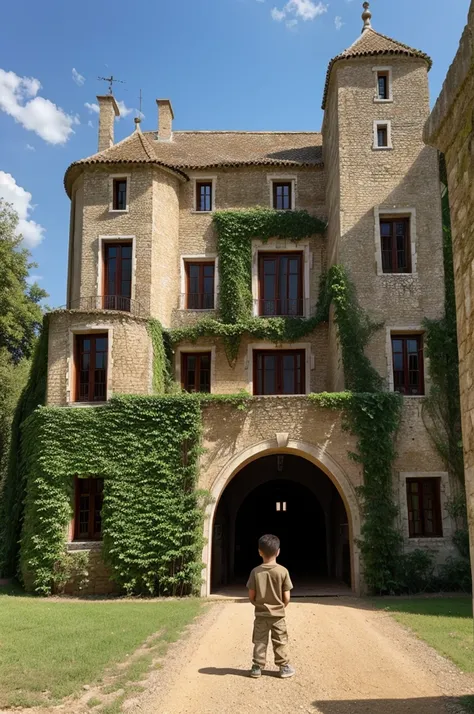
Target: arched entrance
(296,491)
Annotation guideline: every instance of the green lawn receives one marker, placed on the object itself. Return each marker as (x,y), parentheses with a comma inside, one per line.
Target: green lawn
(50,648)
(445,623)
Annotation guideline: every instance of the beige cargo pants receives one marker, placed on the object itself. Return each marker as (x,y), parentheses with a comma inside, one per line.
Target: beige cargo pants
(262,627)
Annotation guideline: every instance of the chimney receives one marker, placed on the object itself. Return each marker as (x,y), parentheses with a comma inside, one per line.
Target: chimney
(165,119)
(108,110)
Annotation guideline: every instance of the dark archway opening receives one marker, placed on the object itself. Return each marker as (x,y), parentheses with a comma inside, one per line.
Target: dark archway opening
(289,496)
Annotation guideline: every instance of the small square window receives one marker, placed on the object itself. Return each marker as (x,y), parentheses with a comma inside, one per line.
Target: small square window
(282,195)
(204,196)
(119,198)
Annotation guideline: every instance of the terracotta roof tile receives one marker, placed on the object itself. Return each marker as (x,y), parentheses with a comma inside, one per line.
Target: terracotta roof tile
(372,43)
(190,150)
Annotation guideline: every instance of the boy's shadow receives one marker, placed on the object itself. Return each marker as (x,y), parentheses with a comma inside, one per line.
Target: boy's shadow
(221,671)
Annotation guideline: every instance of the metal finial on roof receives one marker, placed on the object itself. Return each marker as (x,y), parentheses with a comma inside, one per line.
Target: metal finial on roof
(366,16)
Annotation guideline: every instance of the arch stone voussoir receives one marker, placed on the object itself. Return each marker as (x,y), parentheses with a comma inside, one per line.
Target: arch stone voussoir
(314,453)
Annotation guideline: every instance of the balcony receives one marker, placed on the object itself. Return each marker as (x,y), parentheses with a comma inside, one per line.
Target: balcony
(197,301)
(109,302)
(281,307)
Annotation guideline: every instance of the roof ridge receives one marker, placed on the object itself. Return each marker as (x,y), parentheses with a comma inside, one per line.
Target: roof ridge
(233,131)
(147,149)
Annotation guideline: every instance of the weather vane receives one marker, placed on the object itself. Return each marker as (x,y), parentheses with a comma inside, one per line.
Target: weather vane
(110,80)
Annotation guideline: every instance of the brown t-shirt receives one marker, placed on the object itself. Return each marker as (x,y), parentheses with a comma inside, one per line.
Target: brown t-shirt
(269,581)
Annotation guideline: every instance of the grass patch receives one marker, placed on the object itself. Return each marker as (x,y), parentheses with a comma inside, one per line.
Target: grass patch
(444,623)
(468,703)
(50,648)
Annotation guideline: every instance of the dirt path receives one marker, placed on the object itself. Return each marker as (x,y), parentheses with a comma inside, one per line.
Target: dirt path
(349,660)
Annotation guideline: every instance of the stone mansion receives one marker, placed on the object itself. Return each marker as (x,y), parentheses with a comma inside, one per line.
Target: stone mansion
(142,244)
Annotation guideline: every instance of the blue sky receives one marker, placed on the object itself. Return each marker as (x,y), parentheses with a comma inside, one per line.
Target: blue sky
(225,64)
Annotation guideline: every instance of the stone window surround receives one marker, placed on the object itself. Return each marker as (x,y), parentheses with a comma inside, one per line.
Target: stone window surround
(388,124)
(379,213)
(198,258)
(212,178)
(388,70)
(86,329)
(277,178)
(445,493)
(309,360)
(282,245)
(128,178)
(196,348)
(100,260)
(391,331)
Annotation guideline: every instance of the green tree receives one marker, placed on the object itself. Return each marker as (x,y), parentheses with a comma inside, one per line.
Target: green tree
(20,310)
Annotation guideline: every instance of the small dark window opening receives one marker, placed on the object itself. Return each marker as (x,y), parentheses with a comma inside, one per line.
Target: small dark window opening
(203,195)
(395,245)
(407,354)
(279,372)
(383,85)
(382,135)
(117,276)
(200,286)
(91,368)
(196,371)
(120,194)
(424,508)
(88,508)
(282,198)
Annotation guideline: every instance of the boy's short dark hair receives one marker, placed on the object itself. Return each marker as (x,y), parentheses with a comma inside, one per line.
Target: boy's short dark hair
(269,545)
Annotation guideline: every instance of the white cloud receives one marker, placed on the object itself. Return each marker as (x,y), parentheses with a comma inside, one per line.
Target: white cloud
(260,0)
(93,108)
(77,78)
(338,22)
(31,231)
(34,279)
(277,14)
(28,147)
(18,99)
(90,123)
(124,110)
(304,9)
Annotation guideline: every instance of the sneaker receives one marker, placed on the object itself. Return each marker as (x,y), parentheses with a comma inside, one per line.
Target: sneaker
(255,672)
(287,671)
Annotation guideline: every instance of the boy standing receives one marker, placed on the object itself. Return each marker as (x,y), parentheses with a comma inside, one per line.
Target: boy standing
(269,588)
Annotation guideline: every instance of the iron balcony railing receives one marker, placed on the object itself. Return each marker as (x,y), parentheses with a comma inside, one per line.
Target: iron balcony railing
(109,302)
(197,301)
(280,307)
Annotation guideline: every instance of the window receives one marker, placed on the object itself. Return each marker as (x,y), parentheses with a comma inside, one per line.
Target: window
(88,508)
(395,244)
(196,371)
(382,136)
(282,195)
(117,276)
(200,286)
(91,368)
(279,372)
(424,507)
(383,87)
(119,200)
(280,284)
(407,354)
(281,506)
(203,195)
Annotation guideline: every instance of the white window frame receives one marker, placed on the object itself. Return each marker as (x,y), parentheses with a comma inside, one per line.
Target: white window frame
(199,258)
(379,213)
(282,245)
(100,261)
(309,362)
(112,177)
(393,331)
(386,70)
(88,328)
(195,348)
(197,179)
(278,178)
(388,124)
(445,494)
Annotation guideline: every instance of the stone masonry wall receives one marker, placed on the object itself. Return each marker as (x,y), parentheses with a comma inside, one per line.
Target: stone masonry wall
(130,366)
(450,129)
